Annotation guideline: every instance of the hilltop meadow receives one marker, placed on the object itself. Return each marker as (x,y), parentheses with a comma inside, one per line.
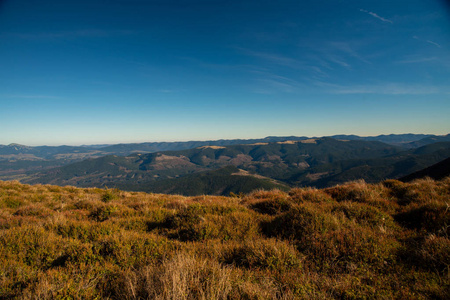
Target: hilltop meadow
(353,241)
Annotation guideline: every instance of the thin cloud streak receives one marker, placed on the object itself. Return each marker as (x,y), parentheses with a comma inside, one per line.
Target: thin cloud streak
(434,43)
(385,89)
(348,50)
(30,97)
(277,85)
(270,83)
(338,61)
(427,41)
(417,60)
(376,16)
(89,33)
(274,58)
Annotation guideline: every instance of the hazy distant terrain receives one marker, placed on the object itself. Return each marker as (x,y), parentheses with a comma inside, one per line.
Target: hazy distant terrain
(18,161)
(192,168)
(221,167)
(279,160)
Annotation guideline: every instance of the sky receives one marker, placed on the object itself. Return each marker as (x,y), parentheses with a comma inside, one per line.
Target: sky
(122,71)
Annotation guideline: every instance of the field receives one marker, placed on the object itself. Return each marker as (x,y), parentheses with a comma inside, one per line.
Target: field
(354,241)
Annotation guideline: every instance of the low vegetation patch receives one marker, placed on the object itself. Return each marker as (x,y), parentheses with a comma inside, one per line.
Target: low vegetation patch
(354,241)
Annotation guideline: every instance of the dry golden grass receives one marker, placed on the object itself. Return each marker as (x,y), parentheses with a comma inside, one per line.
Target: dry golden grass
(354,241)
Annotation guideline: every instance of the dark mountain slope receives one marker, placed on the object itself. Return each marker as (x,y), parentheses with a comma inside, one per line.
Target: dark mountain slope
(218,182)
(90,172)
(373,170)
(436,171)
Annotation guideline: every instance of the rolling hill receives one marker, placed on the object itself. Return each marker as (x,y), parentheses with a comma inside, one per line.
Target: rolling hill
(298,161)
(18,161)
(279,161)
(224,181)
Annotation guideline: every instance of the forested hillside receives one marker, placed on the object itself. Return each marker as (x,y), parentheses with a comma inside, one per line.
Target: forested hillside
(320,162)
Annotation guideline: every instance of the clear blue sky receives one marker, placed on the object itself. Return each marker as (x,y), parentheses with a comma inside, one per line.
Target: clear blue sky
(92,72)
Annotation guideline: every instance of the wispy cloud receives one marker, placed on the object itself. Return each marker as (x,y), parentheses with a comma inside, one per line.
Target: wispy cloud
(269,83)
(167,91)
(434,43)
(327,59)
(19,96)
(385,89)
(348,50)
(376,16)
(416,59)
(318,71)
(275,85)
(88,33)
(271,57)
(427,41)
(338,61)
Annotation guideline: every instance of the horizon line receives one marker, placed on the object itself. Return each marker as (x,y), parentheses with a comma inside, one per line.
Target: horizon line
(212,140)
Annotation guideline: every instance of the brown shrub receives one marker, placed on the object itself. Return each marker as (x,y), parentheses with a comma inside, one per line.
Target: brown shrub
(258,253)
(197,223)
(298,222)
(267,195)
(271,206)
(300,195)
(365,214)
(36,210)
(129,248)
(434,254)
(432,217)
(358,191)
(104,212)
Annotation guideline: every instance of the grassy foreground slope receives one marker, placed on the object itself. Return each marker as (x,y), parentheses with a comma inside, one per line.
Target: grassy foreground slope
(354,241)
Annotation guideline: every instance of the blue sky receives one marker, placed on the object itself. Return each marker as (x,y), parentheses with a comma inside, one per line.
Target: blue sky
(93,72)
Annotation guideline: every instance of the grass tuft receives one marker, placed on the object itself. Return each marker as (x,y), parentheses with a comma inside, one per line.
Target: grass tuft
(353,241)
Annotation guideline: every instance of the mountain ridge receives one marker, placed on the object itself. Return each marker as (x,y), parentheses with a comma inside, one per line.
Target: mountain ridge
(294,161)
(178,145)
(278,160)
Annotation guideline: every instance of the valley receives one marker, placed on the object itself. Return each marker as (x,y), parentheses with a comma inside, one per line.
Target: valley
(217,167)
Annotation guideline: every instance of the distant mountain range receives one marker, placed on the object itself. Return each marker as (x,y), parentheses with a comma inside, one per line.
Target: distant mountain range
(224,166)
(408,140)
(22,152)
(312,162)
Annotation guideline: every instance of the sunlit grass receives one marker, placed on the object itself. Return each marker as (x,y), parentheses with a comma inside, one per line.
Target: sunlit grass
(354,241)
